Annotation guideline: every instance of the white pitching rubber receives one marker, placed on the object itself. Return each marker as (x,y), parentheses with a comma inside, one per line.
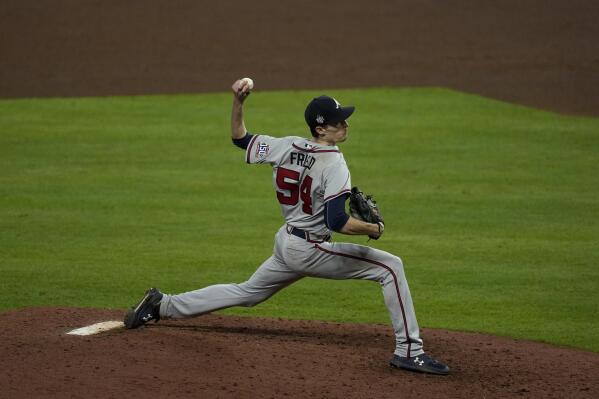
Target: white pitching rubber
(97,328)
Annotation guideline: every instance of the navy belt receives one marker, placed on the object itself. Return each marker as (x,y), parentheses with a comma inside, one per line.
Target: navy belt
(305,235)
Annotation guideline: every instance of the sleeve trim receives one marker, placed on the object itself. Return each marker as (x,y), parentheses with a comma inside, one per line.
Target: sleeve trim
(330,197)
(249,150)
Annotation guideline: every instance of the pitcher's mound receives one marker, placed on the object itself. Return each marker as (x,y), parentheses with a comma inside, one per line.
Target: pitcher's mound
(240,357)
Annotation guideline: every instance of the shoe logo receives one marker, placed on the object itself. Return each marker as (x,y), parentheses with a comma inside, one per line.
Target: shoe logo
(148,317)
(418,361)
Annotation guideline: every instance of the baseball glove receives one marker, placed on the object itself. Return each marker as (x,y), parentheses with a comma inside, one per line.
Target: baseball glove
(364,207)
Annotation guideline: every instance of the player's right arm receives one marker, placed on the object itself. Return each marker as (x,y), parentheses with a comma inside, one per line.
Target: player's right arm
(337,220)
(337,182)
(357,226)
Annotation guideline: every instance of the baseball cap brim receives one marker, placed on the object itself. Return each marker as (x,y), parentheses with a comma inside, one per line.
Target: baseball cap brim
(342,114)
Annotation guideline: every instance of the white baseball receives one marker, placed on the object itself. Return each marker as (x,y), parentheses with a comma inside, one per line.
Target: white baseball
(249,82)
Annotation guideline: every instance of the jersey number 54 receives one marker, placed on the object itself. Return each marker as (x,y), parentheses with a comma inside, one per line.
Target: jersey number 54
(289,180)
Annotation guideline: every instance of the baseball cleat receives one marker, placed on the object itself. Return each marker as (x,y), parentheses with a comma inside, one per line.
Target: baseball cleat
(422,363)
(147,309)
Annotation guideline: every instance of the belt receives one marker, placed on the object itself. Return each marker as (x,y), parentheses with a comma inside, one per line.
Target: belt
(305,235)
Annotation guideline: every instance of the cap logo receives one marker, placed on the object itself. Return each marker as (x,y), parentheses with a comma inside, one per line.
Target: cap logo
(337,102)
(320,119)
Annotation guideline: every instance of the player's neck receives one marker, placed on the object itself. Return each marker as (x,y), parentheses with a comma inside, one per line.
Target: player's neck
(322,141)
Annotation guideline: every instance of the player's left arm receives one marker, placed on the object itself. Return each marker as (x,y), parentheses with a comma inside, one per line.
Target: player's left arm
(241,90)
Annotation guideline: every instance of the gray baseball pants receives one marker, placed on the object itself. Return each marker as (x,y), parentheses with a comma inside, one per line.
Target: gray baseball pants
(294,258)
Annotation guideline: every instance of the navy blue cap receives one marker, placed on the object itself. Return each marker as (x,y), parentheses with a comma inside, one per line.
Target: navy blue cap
(325,110)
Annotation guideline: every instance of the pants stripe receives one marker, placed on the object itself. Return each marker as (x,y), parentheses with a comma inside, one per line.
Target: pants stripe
(395,281)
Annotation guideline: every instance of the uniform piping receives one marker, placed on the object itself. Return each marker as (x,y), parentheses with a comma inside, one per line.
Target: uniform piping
(395,281)
(249,150)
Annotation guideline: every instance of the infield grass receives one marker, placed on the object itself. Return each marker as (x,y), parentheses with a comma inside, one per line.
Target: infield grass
(492,207)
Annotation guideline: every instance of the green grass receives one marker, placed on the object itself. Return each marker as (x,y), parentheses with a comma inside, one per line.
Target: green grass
(494,208)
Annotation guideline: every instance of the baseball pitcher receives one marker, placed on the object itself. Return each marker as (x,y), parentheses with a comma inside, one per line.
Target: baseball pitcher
(312,184)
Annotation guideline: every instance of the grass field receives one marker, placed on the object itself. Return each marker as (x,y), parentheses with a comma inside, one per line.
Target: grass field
(494,208)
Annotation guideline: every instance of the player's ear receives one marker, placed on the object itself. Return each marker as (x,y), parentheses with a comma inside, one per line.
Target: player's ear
(319,130)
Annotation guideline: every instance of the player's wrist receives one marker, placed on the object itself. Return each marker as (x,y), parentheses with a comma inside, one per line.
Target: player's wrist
(238,101)
(380,228)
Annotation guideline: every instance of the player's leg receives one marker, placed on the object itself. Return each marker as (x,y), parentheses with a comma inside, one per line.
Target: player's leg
(272,276)
(352,261)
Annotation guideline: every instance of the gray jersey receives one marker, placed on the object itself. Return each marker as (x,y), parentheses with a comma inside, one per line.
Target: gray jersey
(305,176)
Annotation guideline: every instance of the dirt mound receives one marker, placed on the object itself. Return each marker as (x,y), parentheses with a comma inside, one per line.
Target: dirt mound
(536,52)
(226,357)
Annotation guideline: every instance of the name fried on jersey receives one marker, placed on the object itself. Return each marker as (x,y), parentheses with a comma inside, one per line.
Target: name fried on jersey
(302,159)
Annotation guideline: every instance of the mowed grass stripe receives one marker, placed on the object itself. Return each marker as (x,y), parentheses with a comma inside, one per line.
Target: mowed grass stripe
(492,207)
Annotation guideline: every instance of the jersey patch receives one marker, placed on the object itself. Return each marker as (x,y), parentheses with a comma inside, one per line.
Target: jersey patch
(262,150)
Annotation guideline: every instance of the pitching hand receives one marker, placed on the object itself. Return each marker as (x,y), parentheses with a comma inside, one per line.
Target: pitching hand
(241,89)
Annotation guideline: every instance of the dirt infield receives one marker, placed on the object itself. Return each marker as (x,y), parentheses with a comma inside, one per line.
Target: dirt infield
(226,357)
(542,53)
